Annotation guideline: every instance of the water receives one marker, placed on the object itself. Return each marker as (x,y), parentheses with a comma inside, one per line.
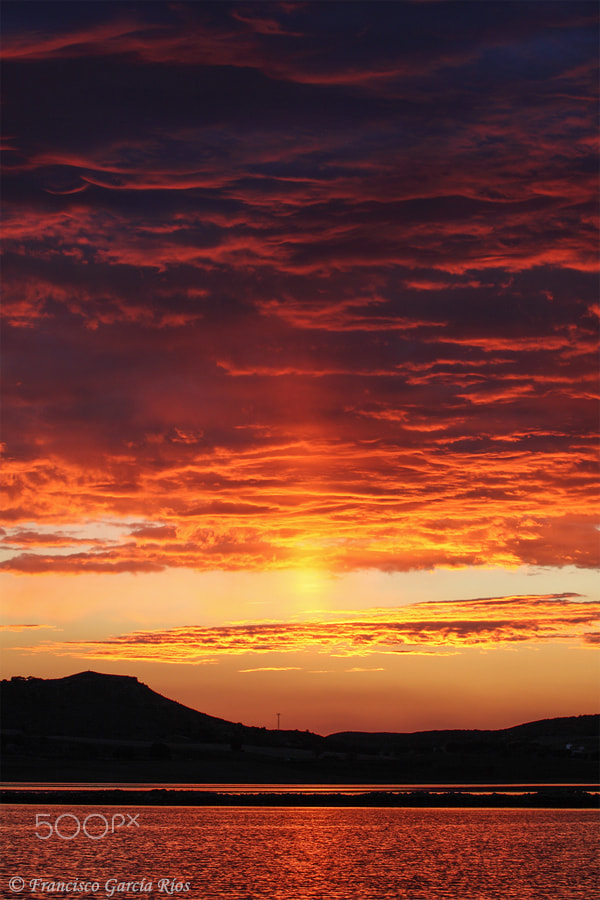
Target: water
(290,853)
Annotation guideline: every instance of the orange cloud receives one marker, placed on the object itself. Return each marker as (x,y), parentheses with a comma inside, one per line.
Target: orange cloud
(430,626)
(331,504)
(26,626)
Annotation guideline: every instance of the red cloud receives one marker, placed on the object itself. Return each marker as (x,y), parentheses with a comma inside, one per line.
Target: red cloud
(311,303)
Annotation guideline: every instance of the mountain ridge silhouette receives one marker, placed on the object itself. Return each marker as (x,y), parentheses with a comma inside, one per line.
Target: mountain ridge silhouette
(99,705)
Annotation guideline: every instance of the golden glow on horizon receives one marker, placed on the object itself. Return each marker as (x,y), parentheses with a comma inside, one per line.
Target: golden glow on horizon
(434,684)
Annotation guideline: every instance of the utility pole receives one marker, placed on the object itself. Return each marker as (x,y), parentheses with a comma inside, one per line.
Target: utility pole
(278,715)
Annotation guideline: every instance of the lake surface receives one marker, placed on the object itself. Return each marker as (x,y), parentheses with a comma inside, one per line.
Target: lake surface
(290,853)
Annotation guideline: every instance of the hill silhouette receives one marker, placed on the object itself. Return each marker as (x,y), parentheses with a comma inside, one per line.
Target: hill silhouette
(97,727)
(91,704)
(567,728)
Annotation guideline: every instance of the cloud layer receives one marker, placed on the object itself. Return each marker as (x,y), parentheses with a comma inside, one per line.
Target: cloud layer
(285,286)
(435,627)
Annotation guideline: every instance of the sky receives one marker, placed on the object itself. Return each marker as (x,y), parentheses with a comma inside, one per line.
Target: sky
(300,331)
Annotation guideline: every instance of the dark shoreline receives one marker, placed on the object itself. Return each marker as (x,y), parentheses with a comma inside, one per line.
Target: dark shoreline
(567,799)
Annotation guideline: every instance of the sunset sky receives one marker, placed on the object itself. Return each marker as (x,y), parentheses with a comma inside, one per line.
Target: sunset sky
(300,334)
